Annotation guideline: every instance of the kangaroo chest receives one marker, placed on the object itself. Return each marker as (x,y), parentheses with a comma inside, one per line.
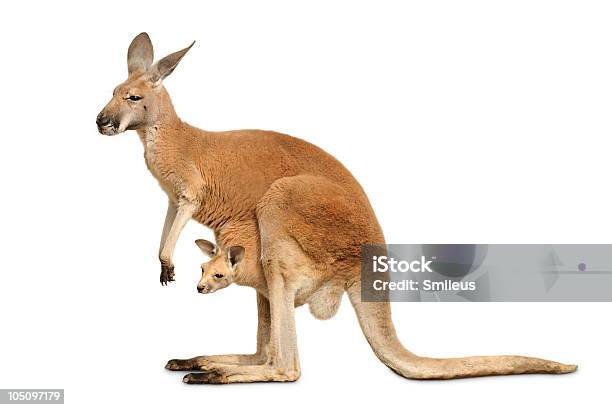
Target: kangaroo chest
(158,164)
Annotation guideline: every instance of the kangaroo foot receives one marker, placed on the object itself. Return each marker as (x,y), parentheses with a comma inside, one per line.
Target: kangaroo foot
(185,364)
(242,374)
(211,363)
(205,378)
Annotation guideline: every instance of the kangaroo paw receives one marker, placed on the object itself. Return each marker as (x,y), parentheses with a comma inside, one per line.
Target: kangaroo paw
(167,274)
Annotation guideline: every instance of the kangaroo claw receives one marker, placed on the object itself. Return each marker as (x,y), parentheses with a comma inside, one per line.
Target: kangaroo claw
(167,274)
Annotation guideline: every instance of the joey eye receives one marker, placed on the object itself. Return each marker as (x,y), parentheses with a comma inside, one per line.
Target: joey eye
(218,275)
(134,98)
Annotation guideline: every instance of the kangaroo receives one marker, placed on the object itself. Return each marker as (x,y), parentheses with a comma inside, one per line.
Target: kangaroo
(221,270)
(305,210)
(226,267)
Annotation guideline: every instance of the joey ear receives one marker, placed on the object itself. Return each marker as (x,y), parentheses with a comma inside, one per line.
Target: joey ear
(164,67)
(140,53)
(207,247)
(235,255)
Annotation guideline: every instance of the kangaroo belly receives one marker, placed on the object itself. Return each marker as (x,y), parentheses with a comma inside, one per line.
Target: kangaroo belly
(325,302)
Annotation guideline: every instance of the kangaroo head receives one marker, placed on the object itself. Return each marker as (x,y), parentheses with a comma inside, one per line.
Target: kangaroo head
(219,272)
(141,100)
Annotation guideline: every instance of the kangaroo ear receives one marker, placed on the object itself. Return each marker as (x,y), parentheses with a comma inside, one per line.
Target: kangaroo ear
(140,54)
(164,67)
(235,255)
(207,247)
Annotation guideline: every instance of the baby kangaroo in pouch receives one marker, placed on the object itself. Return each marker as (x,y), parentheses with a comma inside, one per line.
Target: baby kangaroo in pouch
(231,266)
(219,271)
(289,220)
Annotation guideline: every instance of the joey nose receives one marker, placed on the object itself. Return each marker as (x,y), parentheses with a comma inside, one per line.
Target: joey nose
(102,120)
(200,288)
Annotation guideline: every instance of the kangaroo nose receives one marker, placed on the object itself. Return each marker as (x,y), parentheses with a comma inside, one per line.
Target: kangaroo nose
(200,288)
(102,120)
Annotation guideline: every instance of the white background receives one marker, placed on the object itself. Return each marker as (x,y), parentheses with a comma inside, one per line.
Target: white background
(466,122)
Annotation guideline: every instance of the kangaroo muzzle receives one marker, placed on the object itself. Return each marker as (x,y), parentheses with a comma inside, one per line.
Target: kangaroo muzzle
(106,124)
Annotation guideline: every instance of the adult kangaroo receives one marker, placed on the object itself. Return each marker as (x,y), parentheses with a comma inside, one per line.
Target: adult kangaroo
(309,212)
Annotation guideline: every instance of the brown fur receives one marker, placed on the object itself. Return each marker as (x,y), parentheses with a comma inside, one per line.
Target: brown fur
(305,213)
(227,266)
(247,271)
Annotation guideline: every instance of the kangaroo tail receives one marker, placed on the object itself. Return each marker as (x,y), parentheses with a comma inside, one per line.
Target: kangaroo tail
(375,321)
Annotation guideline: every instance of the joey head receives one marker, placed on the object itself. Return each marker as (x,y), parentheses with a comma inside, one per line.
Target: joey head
(219,271)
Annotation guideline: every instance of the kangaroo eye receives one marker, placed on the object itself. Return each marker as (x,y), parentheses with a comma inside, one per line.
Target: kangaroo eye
(218,275)
(134,98)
